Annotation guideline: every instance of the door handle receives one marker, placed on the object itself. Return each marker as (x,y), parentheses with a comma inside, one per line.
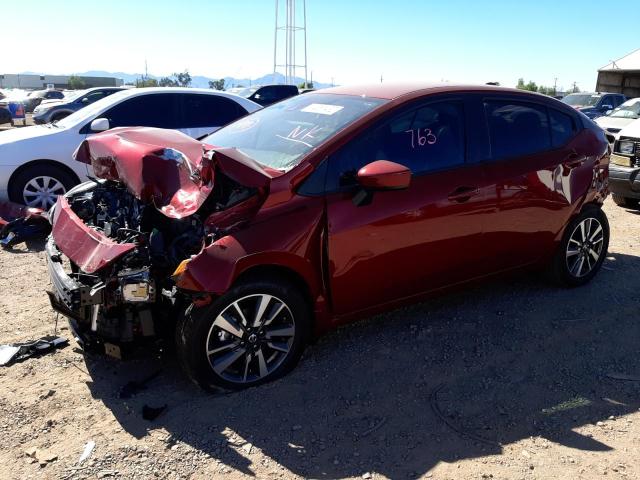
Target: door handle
(462,194)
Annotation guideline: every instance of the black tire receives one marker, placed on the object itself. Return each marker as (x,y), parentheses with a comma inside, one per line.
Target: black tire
(561,266)
(59,116)
(193,334)
(26,175)
(625,202)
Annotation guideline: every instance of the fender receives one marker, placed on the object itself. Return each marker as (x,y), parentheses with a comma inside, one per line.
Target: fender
(290,239)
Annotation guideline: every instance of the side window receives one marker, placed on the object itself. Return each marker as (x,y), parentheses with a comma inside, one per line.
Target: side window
(54,94)
(562,127)
(93,97)
(423,139)
(516,128)
(619,100)
(209,110)
(152,110)
(608,100)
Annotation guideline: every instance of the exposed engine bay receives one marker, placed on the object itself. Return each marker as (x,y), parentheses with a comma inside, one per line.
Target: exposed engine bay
(116,242)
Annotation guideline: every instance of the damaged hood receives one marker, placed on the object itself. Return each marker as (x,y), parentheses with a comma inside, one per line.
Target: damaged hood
(166,167)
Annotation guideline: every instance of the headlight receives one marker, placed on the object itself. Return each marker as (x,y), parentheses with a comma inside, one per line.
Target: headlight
(626,147)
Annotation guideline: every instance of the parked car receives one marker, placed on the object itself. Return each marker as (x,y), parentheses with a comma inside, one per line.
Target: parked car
(5,115)
(321,209)
(267,94)
(36,163)
(54,110)
(624,171)
(620,117)
(34,98)
(593,105)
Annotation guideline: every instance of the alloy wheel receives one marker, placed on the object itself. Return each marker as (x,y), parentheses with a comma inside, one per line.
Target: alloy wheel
(42,192)
(250,338)
(584,247)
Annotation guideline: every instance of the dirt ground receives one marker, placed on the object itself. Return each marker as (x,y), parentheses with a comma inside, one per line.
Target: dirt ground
(512,379)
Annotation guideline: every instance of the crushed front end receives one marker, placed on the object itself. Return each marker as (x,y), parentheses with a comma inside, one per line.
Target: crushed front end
(116,242)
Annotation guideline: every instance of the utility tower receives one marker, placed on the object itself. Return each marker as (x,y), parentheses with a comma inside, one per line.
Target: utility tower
(288,21)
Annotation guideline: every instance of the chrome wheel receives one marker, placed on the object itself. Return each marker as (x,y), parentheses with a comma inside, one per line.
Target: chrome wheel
(42,192)
(585,247)
(250,338)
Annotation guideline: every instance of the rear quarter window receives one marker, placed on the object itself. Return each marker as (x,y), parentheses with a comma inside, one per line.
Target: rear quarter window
(563,127)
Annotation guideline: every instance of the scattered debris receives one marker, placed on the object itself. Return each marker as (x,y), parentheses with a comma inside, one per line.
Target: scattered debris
(19,224)
(42,456)
(17,352)
(88,448)
(433,400)
(247,447)
(624,376)
(374,428)
(49,393)
(151,413)
(133,387)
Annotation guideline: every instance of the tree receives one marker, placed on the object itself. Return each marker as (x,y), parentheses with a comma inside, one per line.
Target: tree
(183,79)
(146,82)
(217,84)
(167,82)
(76,83)
(304,85)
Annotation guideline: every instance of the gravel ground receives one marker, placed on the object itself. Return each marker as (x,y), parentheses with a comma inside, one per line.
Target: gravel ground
(512,379)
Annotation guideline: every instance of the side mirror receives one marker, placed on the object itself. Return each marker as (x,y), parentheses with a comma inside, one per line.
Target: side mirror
(100,125)
(384,175)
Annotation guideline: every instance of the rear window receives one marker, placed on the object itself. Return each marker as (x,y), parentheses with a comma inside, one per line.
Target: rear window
(516,128)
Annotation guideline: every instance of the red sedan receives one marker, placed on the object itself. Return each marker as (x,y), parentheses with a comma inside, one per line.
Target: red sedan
(319,210)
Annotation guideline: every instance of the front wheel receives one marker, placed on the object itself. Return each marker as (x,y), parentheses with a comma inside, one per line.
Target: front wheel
(583,248)
(625,202)
(253,334)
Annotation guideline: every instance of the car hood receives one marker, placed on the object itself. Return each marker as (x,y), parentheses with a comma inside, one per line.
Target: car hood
(25,133)
(613,122)
(167,168)
(631,130)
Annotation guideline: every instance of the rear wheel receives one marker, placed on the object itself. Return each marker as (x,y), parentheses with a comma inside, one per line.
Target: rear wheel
(583,248)
(253,334)
(39,185)
(624,201)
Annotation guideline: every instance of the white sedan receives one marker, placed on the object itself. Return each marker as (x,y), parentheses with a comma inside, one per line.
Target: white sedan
(36,163)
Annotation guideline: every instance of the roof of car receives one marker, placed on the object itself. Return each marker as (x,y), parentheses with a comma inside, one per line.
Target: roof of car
(390,91)
(132,92)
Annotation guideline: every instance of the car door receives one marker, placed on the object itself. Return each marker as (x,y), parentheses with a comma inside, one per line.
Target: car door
(408,241)
(528,171)
(205,113)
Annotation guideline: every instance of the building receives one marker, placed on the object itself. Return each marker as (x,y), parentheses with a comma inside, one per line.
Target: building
(39,82)
(621,76)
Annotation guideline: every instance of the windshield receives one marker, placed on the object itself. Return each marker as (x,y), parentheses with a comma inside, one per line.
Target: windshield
(581,100)
(280,135)
(629,109)
(71,96)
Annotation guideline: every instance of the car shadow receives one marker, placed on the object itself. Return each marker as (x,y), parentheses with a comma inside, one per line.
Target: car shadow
(457,377)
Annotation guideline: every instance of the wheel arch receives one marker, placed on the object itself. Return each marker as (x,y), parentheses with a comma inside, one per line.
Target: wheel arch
(43,161)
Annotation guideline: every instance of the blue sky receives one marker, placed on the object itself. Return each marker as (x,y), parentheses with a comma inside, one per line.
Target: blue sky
(350,41)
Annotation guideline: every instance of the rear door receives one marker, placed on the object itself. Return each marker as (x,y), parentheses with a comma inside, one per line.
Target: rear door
(406,242)
(529,169)
(203,114)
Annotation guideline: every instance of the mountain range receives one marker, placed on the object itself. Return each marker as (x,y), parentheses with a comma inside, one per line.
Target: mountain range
(199,81)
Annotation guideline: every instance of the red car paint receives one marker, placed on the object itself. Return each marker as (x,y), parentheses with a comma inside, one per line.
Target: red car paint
(445,228)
